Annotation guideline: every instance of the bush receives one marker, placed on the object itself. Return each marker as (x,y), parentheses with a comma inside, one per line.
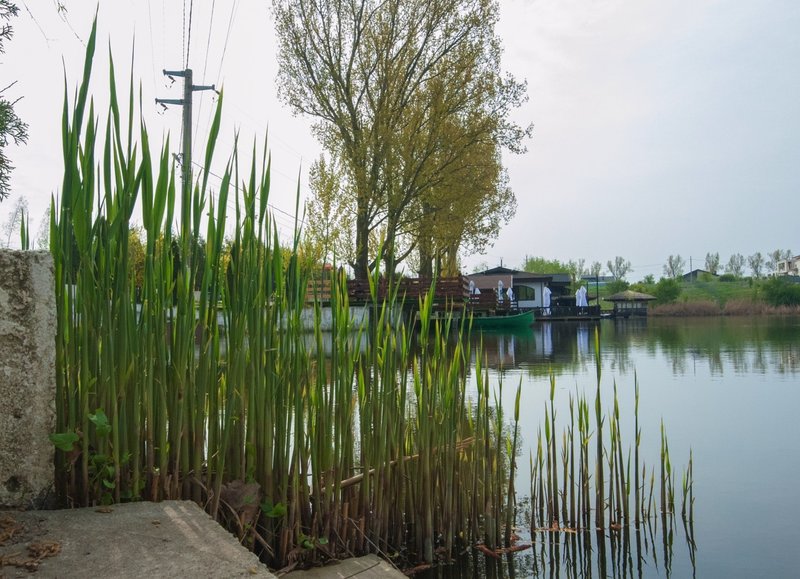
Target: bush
(779,292)
(727,277)
(616,286)
(667,290)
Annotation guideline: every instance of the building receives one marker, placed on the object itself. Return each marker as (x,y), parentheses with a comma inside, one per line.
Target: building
(527,287)
(789,266)
(700,274)
(630,303)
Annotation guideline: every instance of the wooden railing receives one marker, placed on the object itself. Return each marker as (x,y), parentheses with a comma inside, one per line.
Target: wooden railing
(448,290)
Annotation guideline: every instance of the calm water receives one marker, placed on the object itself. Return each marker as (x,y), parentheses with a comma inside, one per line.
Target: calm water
(728,389)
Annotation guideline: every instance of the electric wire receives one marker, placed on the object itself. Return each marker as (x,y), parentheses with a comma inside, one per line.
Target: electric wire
(189,37)
(152,47)
(270,205)
(205,69)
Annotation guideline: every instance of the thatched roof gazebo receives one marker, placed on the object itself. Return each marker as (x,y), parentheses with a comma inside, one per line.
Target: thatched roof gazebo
(630,303)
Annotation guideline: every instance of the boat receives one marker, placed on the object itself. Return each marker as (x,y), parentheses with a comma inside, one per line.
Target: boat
(520,320)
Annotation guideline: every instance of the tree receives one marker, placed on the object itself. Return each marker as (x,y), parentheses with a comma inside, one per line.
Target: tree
(673,269)
(329,223)
(403,92)
(756,263)
(667,290)
(619,268)
(712,262)
(12,128)
(576,269)
(773,257)
(542,265)
(595,269)
(735,265)
(11,227)
(43,232)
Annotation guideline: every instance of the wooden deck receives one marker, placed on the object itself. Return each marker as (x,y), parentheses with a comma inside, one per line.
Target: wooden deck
(567,313)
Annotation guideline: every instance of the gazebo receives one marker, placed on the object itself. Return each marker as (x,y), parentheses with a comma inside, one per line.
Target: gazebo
(630,303)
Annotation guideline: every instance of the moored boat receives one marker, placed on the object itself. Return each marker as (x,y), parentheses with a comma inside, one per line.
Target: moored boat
(520,320)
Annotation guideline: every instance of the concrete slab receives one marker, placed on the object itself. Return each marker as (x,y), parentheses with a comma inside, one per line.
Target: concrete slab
(169,539)
(369,567)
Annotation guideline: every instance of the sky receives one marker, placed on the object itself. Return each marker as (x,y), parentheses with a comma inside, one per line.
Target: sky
(661,128)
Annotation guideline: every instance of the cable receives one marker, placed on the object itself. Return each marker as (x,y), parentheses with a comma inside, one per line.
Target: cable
(205,68)
(189,39)
(183,35)
(227,37)
(152,48)
(270,205)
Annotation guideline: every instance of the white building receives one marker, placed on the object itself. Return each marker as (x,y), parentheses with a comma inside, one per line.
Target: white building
(789,266)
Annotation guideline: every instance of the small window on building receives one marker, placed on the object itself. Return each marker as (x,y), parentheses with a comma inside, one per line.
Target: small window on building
(524,293)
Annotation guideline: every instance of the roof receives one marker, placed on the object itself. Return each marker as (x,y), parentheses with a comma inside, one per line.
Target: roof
(489,278)
(697,272)
(630,296)
(490,281)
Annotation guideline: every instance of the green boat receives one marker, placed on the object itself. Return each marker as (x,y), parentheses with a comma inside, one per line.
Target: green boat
(521,320)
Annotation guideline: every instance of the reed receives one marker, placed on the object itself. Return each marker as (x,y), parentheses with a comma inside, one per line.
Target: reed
(201,383)
(609,489)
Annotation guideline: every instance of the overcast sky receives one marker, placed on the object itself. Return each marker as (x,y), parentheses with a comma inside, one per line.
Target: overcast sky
(660,127)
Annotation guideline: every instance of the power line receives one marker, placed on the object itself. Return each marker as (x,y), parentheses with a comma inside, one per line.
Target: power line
(152,48)
(227,37)
(183,36)
(270,205)
(189,40)
(205,68)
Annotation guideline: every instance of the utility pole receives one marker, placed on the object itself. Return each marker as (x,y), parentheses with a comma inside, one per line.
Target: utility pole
(186,152)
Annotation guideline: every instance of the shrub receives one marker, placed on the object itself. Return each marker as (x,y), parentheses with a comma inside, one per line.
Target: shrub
(727,277)
(779,292)
(616,286)
(667,290)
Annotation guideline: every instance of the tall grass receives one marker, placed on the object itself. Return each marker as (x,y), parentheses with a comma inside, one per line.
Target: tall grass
(219,397)
(606,483)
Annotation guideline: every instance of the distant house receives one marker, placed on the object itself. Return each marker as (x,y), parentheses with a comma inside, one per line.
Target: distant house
(630,303)
(528,287)
(696,274)
(789,266)
(599,280)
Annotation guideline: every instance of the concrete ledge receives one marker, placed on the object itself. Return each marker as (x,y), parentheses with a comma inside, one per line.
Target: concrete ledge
(152,540)
(369,567)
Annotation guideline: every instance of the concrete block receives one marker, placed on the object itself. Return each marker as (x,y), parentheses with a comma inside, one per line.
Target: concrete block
(27,376)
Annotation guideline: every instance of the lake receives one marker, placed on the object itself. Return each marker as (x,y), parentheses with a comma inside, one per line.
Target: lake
(726,388)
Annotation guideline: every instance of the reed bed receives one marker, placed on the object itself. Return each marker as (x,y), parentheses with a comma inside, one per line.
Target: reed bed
(594,492)
(201,384)
(733,307)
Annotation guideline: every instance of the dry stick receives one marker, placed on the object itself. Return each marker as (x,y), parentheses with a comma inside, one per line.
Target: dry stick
(354,480)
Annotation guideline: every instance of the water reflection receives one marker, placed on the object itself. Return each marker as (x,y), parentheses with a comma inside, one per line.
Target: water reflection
(628,553)
(737,345)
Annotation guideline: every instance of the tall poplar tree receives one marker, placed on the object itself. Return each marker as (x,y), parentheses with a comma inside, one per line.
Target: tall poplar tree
(402,91)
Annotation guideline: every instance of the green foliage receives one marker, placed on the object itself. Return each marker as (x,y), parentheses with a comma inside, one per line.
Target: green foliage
(410,99)
(649,279)
(780,292)
(727,277)
(194,392)
(667,290)
(616,286)
(543,265)
(12,128)
(64,440)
